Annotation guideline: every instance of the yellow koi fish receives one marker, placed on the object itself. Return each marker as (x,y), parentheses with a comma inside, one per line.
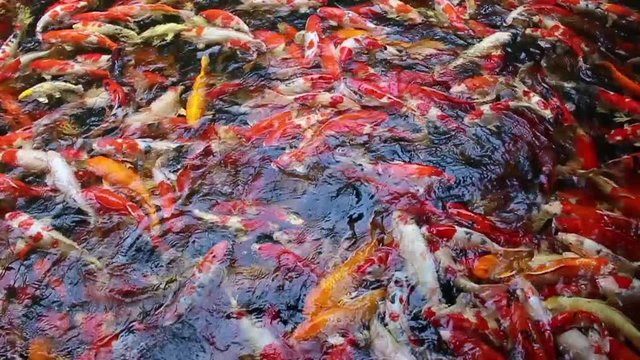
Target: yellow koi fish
(197,104)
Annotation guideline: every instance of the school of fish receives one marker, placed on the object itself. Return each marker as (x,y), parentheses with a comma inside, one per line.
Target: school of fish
(310,179)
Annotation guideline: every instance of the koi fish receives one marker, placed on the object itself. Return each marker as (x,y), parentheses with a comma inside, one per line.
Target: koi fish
(54,67)
(282,126)
(263,342)
(356,123)
(78,38)
(61,13)
(329,60)
(132,13)
(337,283)
(420,263)
(384,345)
(611,317)
(345,314)
(305,84)
(14,188)
(399,10)
(16,139)
(577,345)
(119,174)
(280,5)
(225,19)
(42,91)
(38,235)
(626,83)
(312,99)
(469,239)
(312,35)
(196,104)
(210,35)
(165,106)
(107,29)
(396,308)
(111,201)
(161,33)
(62,177)
(586,247)
(284,257)
(345,18)
(126,148)
(204,272)
(469,346)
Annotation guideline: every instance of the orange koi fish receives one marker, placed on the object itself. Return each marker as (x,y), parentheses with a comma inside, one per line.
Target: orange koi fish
(117,173)
(338,283)
(345,314)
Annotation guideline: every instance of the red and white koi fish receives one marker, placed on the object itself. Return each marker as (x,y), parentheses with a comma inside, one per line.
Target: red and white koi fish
(396,308)
(164,182)
(345,18)
(619,102)
(586,247)
(398,10)
(448,12)
(329,58)
(313,100)
(488,46)
(356,123)
(54,67)
(420,263)
(225,19)
(374,95)
(132,13)
(384,345)
(13,188)
(463,343)
(282,126)
(118,94)
(107,29)
(577,345)
(16,139)
(610,316)
(127,148)
(99,60)
(61,12)
(30,160)
(61,176)
(210,35)
(305,84)
(204,273)
(469,239)
(249,217)
(312,35)
(350,46)
(38,235)
(553,30)
(165,106)
(285,258)
(110,201)
(281,5)
(264,343)
(78,38)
